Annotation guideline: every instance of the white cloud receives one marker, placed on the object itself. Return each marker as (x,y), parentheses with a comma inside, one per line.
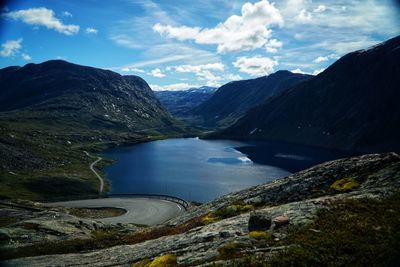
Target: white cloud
(26,57)
(157,73)
(198,68)
(66,14)
(318,71)
(203,72)
(233,77)
(91,30)
(299,71)
(320,59)
(11,47)
(320,9)
(255,66)
(315,72)
(125,41)
(326,58)
(210,78)
(273,45)
(132,70)
(238,33)
(43,17)
(172,87)
(304,16)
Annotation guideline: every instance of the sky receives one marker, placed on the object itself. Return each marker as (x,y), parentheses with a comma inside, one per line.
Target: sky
(180,44)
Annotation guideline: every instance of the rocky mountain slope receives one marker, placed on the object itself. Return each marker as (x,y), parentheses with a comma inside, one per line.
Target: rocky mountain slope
(80,96)
(179,102)
(308,218)
(351,105)
(232,100)
(51,112)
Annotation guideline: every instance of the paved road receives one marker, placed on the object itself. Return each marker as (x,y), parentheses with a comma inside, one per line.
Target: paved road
(91,166)
(146,211)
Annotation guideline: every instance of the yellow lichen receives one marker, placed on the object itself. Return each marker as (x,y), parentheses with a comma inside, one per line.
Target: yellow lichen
(164,260)
(142,263)
(209,218)
(345,184)
(260,235)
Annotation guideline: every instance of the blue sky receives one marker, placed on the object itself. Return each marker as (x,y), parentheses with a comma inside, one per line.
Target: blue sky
(183,43)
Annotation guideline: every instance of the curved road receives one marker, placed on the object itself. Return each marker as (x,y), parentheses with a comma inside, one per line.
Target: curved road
(91,166)
(147,211)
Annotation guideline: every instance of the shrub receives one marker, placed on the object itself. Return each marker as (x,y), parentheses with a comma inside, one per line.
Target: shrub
(345,184)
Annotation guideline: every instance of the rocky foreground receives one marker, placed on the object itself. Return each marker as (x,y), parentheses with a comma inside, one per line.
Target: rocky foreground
(257,226)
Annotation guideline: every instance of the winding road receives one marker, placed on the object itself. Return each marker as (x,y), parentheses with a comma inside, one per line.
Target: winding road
(91,166)
(146,211)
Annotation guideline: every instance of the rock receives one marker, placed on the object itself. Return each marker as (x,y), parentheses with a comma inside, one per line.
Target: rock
(259,222)
(281,220)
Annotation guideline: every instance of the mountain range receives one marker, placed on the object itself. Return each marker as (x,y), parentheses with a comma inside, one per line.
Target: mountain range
(233,100)
(179,102)
(352,105)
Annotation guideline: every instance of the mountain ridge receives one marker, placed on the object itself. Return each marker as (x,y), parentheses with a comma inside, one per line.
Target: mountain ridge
(351,105)
(233,99)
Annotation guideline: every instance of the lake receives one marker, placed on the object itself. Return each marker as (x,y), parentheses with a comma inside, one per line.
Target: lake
(202,170)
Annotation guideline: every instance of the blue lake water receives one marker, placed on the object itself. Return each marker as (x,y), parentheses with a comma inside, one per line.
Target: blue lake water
(195,169)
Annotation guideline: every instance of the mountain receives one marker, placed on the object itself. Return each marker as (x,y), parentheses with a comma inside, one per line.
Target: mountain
(81,96)
(353,104)
(179,102)
(52,113)
(232,100)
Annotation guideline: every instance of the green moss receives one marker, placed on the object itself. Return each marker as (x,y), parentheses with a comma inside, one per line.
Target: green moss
(232,210)
(260,235)
(345,184)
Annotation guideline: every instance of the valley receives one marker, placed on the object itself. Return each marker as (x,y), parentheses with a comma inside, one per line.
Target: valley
(174,159)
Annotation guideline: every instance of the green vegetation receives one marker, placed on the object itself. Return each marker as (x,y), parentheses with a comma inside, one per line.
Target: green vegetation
(7,220)
(227,212)
(345,184)
(44,160)
(231,250)
(260,235)
(359,232)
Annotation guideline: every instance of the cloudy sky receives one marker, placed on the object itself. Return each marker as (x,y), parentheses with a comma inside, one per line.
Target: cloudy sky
(178,44)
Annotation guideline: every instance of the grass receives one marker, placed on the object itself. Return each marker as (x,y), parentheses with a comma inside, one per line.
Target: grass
(43,160)
(231,250)
(101,239)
